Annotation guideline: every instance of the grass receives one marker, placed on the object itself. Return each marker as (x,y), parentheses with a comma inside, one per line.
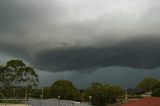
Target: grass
(11,101)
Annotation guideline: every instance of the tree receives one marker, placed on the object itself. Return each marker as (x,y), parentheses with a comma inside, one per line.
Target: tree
(2,78)
(16,74)
(113,92)
(36,93)
(47,92)
(148,84)
(156,92)
(103,94)
(6,79)
(65,89)
(83,97)
(98,94)
(14,67)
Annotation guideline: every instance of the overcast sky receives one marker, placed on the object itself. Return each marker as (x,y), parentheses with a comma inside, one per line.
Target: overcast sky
(83,40)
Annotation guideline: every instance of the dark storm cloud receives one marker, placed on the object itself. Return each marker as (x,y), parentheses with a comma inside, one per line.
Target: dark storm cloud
(14,50)
(77,35)
(124,76)
(136,53)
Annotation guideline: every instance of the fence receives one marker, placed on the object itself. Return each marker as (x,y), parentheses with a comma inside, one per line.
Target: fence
(40,102)
(56,102)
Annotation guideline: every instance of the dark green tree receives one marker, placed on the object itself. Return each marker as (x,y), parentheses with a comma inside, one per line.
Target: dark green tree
(2,78)
(102,94)
(148,84)
(96,94)
(65,89)
(17,75)
(156,92)
(47,92)
(6,79)
(113,93)
(36,93)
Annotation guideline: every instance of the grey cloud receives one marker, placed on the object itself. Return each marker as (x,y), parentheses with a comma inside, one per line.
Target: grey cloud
(15,51)
(56,35)
(137,53)
(126,77)
(12,17)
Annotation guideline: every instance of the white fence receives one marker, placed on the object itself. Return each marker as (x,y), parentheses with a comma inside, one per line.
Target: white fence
(40,102)
(56,102)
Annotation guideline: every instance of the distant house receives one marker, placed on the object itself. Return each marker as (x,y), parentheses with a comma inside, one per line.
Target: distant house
(147,94)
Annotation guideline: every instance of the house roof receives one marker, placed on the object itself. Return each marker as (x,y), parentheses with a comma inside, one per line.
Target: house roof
(148,101)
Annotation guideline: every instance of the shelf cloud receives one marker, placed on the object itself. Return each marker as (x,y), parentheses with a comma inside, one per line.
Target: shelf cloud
(80,35)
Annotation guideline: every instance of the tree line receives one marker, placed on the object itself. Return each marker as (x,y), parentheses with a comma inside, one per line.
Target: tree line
(17,80)
(97,94)
(150,84)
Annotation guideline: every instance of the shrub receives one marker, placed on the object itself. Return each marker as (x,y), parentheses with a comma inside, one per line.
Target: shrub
(156,92)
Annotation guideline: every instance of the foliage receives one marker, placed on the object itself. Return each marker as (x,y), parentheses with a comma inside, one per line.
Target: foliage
(36,93)
(65,89)
(156,92)
(22,74)
(47,92)
(113,92)
(83,97)
(132,91)
(16,76)
(148,84)
(103,94)
(98,94)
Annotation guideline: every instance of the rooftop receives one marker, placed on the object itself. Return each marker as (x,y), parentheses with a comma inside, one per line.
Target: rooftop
(148,101)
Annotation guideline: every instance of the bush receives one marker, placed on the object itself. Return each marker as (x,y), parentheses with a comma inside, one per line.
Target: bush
(103,94)
(156,92)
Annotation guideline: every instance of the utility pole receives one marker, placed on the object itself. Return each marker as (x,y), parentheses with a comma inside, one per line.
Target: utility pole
(126,95)
(90,97)
(59,100)
(42,93)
